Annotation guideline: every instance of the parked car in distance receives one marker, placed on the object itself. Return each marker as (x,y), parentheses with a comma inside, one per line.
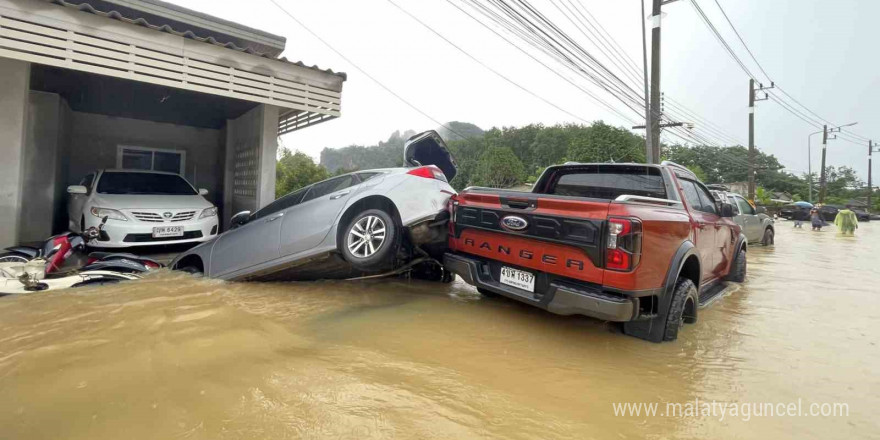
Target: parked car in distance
(142,208)
(359,223)
(829,212)
(758,227)
(644,245)
(863,216)
(788,211)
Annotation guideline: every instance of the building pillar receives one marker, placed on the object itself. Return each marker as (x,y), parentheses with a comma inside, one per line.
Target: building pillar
(13,125)
(251,149)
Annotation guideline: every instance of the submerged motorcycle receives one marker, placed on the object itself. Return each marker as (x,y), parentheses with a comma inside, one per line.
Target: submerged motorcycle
(61,262)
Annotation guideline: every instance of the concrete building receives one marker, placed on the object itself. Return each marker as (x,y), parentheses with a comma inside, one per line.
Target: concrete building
(142,84)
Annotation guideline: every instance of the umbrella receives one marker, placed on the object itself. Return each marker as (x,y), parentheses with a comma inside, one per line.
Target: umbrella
(804,204)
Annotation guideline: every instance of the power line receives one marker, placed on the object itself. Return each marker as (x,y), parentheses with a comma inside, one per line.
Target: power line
(364,72)
(588,93)
(475,59)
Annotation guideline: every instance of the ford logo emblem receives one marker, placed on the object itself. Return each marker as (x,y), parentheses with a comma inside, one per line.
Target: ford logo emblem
(514,223)
(166,215)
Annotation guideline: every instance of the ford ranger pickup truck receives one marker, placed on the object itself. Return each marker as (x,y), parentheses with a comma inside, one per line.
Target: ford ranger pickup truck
(645,245)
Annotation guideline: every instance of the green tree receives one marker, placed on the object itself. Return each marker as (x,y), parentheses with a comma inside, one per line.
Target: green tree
(499,168)
(296,170)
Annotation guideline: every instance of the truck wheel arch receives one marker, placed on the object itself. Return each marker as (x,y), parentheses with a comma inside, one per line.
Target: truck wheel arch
(686,262)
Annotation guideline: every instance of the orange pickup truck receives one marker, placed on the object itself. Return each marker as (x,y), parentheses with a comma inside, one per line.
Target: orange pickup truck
(645,245)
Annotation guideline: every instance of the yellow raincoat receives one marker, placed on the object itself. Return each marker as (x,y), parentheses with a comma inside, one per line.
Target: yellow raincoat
(846,221)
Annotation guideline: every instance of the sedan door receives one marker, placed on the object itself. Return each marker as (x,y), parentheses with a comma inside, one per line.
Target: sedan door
(308,223)
(255,242)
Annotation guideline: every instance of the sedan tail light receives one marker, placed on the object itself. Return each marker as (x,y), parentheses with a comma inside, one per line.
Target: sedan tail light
(428,172)
(623,244)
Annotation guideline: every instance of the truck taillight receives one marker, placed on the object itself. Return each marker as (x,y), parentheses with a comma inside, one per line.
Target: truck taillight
(428,172)
(623,244)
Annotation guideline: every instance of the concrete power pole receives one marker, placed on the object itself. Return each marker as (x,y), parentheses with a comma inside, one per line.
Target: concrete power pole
(870,188)
(752,152)
(649,144)
(752,140)
(654,123)
(822,174)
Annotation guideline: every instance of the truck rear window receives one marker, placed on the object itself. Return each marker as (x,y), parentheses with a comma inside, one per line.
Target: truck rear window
(606,182)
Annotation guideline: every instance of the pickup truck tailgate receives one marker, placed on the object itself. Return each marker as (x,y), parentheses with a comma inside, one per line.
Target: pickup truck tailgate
(548,233)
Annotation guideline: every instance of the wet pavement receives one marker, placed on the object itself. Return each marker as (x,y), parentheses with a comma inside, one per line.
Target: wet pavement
(177,357)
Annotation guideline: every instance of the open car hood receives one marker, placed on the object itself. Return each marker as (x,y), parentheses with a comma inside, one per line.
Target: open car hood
(428,148)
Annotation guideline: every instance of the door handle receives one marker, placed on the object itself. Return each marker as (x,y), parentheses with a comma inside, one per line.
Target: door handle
(272,219)
(336,196)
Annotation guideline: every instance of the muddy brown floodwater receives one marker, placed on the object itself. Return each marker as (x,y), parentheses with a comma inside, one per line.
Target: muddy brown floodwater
(177,357)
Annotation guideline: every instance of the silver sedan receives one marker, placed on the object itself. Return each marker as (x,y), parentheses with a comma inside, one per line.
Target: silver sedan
(358,223)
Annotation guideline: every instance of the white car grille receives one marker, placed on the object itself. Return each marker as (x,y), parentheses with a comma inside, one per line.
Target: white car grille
(147,216)
(165,216)
(183,216)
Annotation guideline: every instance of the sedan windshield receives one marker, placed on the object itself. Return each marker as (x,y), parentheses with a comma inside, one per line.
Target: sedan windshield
(144,183)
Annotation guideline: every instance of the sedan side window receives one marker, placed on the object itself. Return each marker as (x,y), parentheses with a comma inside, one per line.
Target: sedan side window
(744,206)
(87,182)
(281,204)
(330,186)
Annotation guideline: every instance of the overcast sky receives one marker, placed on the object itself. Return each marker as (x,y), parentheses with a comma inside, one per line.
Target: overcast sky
(824,53)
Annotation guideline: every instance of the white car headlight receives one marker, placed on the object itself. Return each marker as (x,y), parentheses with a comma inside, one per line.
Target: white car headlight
(210,212)
(109,213)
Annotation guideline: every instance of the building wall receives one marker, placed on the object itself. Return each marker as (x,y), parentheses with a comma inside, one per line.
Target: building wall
(251,149)
(44,173)
(13,125)
(95,138)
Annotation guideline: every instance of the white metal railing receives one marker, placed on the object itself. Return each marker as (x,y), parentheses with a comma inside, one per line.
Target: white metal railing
(41,40)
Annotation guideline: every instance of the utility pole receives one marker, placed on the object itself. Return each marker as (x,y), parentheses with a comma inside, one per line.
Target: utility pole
(649,144)
(870,188)
(752,140)
(752,152)
(654,111)
(822,174)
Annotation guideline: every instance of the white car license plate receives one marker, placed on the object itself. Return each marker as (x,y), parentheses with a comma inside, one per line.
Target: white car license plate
(518,278)
(167,231)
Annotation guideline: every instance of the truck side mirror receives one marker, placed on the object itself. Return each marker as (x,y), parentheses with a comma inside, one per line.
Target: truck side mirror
(727,210)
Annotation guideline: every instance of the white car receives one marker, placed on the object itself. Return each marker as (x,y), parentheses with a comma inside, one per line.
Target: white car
(143,208)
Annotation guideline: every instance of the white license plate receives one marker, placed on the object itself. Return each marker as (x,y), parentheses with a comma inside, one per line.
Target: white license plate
(518,278)
(167,231)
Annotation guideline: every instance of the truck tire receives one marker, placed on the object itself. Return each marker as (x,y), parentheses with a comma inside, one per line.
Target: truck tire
(738,268)
(370,240)
(767,240)
(682,308)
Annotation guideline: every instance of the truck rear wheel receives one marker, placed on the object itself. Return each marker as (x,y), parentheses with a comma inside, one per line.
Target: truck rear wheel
(665,326)
(682,309)
(767,240)
(738,268)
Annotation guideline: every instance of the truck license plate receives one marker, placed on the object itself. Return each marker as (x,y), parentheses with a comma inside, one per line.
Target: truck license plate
(518,278)
(167,231)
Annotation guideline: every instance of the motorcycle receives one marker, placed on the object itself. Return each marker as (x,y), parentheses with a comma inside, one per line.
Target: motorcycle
(61,262)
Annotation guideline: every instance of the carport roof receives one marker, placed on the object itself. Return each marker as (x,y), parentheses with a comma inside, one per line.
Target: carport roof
(176,20)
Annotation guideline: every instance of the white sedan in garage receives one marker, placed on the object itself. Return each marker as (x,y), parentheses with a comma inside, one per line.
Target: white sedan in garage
(142,208)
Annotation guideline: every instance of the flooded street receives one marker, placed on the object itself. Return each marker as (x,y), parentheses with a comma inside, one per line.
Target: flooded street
(178,357)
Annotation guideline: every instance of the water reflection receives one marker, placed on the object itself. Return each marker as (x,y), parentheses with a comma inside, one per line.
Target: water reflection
(173,356)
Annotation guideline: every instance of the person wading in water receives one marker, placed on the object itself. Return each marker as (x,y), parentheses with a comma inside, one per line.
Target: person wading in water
(816,219)
(846,221)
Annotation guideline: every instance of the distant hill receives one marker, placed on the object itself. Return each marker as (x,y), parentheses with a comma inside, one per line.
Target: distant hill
(388,153)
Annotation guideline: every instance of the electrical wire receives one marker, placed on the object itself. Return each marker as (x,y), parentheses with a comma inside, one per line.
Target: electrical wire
(364,72)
